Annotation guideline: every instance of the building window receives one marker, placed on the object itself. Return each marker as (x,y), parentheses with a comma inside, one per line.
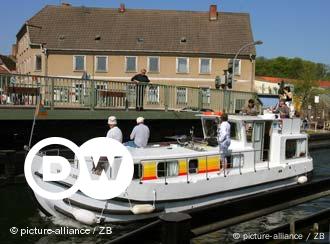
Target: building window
(153,64)
(237,66)
(206,95)
(295,148)
(131,64)
(38,63)
(79,63)
(181,95)
(204,65)
(101,63)
(153,94)
(168,169)
(182,65)
(239,104)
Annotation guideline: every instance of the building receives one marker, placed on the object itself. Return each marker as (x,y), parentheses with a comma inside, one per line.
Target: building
(7,65)
(182,48)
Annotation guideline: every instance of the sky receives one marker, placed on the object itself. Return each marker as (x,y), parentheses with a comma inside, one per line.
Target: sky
(289,28)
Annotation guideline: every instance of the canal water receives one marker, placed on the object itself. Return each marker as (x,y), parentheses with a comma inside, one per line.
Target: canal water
(18,213)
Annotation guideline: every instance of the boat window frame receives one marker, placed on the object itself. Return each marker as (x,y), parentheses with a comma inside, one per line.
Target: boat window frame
(296,148)
(165,162)
(196,169)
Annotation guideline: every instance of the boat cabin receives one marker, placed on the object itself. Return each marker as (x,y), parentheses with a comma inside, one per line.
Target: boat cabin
(257,142)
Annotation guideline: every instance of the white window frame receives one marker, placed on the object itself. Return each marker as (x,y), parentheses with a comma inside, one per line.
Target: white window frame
(106,63)
(83,87)
(136,64)
(239,66)
(157,100)
(74,62)
(148,64)
(177,66)
(176,95)
(209,93)
(200,66)
(35,62)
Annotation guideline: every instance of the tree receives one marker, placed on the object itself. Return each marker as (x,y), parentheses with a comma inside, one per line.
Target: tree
(306,87)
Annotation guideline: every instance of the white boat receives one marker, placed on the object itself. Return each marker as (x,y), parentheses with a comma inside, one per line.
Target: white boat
(266,153)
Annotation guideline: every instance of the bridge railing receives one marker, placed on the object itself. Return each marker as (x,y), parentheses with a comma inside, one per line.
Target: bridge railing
(63,92)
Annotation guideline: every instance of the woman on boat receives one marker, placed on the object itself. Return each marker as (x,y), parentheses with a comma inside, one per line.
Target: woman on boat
(224,139)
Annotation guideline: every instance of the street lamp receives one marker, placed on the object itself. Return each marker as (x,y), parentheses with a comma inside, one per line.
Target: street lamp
(241,49)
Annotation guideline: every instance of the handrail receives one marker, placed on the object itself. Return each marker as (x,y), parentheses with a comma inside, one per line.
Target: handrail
(84,93)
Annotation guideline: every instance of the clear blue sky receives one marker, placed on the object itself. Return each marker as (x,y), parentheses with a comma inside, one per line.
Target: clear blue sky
(290,28)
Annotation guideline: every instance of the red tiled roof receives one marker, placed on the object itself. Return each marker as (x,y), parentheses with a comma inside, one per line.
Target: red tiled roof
(324,83)
(69,28)
(3,70)
(273,79)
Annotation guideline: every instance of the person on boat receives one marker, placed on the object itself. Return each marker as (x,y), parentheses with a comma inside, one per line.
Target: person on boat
(283,110)
(114,132)
(224,139)
(140,134)
(250,109)
(141,80)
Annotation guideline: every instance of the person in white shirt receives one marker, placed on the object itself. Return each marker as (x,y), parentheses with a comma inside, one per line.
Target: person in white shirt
(114,132)
(140,134)
(224,138)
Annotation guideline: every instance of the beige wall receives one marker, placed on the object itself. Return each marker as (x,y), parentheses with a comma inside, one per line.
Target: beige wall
(62,65)
(26,57)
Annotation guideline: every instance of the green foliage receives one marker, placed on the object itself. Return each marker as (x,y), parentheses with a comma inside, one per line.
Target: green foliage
(290,68)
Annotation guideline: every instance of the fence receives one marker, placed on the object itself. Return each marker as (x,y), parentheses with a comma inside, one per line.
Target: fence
(61,92)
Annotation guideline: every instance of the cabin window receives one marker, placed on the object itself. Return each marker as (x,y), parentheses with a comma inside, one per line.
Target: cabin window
(249,131)
(234,133)
(168,169)
(193,166)
(237,160)
(295,148)
(137,171)
(210,126)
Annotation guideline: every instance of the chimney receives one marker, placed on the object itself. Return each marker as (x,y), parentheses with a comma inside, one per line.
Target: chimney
(213,12)
(122,8)
(14,50)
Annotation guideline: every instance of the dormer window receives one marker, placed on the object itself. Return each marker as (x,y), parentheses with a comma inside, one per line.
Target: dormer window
(140,40)
(183,40)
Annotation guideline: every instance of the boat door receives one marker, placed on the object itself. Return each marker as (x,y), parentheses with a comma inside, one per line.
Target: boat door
(258,140)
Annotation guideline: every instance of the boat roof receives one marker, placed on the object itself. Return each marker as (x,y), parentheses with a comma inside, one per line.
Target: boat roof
(268,117)
(250,118)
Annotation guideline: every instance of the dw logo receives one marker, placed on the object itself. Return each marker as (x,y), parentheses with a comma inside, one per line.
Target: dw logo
(105,168)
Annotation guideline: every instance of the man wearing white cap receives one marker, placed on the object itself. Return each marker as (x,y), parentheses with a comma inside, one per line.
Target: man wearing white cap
(140,134)
(114,132)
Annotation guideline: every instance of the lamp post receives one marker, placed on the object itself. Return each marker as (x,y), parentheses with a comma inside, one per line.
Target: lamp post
(240,50)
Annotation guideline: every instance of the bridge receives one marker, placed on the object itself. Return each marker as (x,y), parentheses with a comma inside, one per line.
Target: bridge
(70,98)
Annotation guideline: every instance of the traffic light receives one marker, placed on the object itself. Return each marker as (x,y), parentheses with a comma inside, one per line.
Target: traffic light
(217,82)
(229,74)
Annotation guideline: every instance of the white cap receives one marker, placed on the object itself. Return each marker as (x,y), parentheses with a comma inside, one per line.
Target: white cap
(112,120)
(140,120)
